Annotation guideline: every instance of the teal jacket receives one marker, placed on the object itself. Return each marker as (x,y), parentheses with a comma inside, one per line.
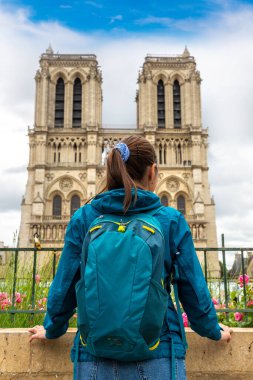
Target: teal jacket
(193,292)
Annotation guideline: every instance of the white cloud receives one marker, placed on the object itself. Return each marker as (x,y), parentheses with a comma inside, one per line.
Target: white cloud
(224,55)
(65,6)
(94,4)
(116,18)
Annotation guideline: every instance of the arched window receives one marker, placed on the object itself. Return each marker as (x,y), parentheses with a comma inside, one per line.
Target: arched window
(164,200)
(165,154)
(181,204)
(75,152)
(57,207)
(59,152)
(160,104)
(54,148)
(59,104)
(177,104)
(178,154)
(74,204)
(77,104)
(160,154)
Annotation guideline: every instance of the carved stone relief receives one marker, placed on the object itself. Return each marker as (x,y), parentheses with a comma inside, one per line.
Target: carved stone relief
(186,176)
(82,176)
(49,176)
(66,184)
(172,185)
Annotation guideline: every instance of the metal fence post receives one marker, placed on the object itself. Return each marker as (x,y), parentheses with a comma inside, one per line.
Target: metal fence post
(225,274)
(244,282)
(205,263)
(33,282)
(14,285)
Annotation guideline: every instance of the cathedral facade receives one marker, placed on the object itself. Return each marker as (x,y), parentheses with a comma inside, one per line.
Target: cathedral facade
(69,146)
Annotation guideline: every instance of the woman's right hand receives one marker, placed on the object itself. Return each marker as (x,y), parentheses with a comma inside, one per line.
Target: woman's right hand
(226,333)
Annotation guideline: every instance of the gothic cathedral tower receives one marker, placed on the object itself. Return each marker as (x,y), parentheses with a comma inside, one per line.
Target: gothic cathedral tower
(63,155)
(169,114)
(68,146)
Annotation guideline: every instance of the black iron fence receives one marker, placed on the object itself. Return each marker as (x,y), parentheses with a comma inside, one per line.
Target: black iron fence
(26,275)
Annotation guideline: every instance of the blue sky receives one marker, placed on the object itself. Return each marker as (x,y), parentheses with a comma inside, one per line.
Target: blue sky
(176,17)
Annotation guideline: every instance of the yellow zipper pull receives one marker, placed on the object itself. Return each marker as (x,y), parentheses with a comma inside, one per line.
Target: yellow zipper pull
(121,228)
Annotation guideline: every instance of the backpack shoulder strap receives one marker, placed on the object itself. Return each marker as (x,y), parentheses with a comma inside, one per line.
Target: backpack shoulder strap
(175,277)
(155,211)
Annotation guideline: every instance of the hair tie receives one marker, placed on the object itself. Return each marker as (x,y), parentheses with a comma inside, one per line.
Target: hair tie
(124,151)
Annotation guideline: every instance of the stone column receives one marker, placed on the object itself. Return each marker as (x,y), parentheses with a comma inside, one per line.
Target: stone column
(142,103)
(92,98)
(91,161)
(44,96)
(37,113)
(187,103)
(182,103)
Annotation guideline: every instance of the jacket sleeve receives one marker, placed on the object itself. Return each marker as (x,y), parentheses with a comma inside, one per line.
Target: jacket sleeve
(193,292)
(61,301)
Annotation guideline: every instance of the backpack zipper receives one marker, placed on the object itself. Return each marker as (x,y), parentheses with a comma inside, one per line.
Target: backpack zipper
(126,223)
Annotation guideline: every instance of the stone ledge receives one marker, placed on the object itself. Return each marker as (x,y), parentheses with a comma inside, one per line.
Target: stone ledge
(48,360)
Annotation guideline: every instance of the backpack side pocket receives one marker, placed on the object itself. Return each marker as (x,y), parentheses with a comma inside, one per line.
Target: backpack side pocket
(154,313)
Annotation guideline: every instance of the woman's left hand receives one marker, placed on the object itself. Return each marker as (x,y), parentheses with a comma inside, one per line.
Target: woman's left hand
(38,333)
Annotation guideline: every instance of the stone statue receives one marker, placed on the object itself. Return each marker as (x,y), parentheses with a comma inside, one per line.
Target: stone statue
(105,154)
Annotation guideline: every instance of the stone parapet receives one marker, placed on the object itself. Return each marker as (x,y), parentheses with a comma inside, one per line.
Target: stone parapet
(206,359)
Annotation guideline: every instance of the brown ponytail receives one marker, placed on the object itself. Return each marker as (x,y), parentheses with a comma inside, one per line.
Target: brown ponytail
(122,174)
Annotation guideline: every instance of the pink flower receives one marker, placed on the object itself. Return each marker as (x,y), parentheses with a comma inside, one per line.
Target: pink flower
(37,278)
(18,297)
(3,295)
(42,302)
(238,316)
(250,303)
(243,278)
(6,302)
(215,302)
(185,320)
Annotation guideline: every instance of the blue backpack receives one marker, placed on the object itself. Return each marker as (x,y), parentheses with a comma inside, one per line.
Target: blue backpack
(121,298)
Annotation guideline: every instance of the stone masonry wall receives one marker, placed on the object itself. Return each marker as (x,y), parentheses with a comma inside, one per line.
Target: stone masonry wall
(48,360)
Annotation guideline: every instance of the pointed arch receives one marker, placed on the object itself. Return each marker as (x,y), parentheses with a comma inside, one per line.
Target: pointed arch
(177,104)
(59,103)
(74,73)
(77,104)
(59,73)
(160,104)
(161,75)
